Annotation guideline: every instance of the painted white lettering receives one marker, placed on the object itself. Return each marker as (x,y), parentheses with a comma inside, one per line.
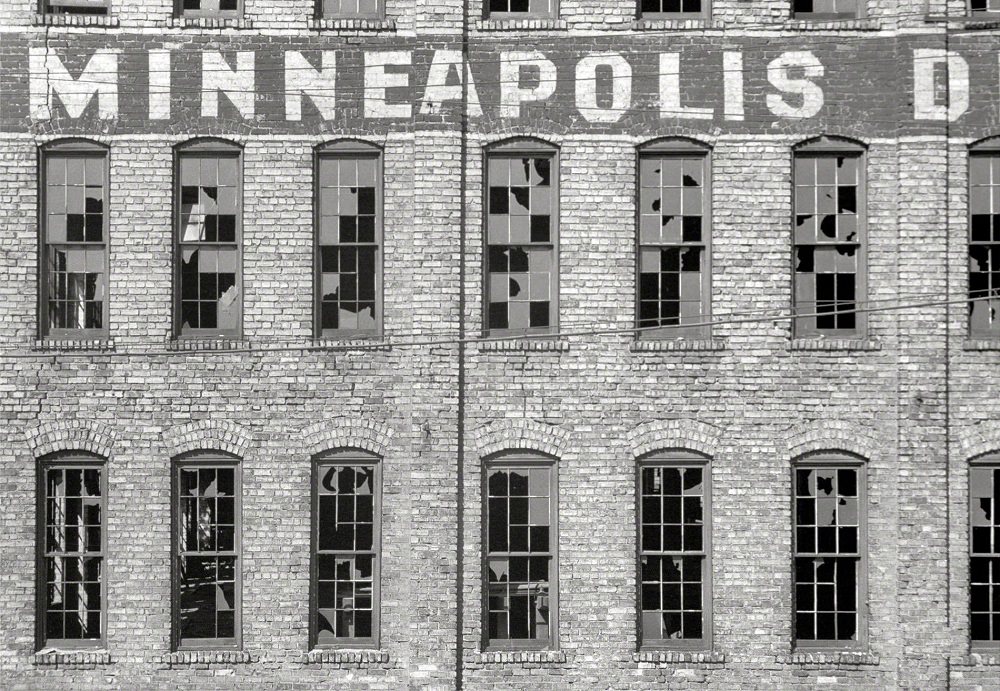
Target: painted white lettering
(586,87)
(512,94)
(732,81)
(810,93)
(670,91)
(238,85)
(925,101)
(438,91)
(50,78)
(302,79)
(159,85)
(377,80)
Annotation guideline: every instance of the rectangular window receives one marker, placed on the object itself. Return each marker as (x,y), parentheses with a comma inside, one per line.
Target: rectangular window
(984,245)
(671,9)
(829,554)
(207,554)
(984,6)
(75,231)
(210,8)
(827,9)
(521,554)
(674,566)
(350,8)
(984,560)
(522,228)
(209,230)
(76,6)
(674,290)
(829,251)
(346,527)
(349,260)
(515,9)
(72,546)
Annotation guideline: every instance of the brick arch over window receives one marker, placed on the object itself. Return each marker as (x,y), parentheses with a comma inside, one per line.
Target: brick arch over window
(70,435)
(347,433)
(829,142)
(221,435)
(978,440)
(521,435)
(675,143)
(683,433)
(518,142)
(834,436)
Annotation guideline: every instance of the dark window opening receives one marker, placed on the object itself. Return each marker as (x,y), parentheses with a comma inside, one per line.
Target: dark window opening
(984,560)
(984,245)
(76,6)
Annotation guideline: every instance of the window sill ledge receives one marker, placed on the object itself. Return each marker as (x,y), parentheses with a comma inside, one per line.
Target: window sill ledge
(984,21)
(57,345)
(832,25)
(209,23)
(187,658)
(675,24)
(838,657)
(678,656)
(199,344)
(977,660)
(89,20)
(353,24)
(981,344)
(53,657)
(357,344)
(358,657)
(544,657)
(524,345)
(652,345)
(540,24)
(835,344)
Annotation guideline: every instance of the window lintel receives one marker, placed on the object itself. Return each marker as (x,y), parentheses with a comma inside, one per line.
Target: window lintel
(523,144)
(830,143)
(74,145)
(830,457)
(208,145)
(986,145)
(348,146)
(347,454)
(988,458)
(675,145)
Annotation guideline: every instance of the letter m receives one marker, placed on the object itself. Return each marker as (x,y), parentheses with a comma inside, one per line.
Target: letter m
(50,78)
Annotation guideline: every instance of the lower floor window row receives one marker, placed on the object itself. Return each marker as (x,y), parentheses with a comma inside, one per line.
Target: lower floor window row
(520,551)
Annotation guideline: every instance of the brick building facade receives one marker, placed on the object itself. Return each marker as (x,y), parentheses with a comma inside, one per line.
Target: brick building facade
(455,375)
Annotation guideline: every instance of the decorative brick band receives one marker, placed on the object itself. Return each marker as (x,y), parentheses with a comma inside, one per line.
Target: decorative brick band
(346,657)
(522,25)
(209,23)
(680,433)
(195,344)
(352,24)
(55,345)
(524,345)
(981,344)
(833,25)
(976,440)
(88,20)
(977,660)
(70,435)
(678,657)
(550,657)
(347,432)
(676,24)
(656,345)
(186,658)
(220,435)
(844,657)
(834,344)
(520,433)
(833,435)
(71,659)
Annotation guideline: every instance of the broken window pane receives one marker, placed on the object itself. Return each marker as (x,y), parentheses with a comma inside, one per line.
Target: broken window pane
(207,556)
(209,8)
(73,553)
(521,244)
(984,246)
(827,521)
(672,246)
(672,551)
(519,552)
(75,268)
(349,261)
(984,561)
(827,246)
(347,551)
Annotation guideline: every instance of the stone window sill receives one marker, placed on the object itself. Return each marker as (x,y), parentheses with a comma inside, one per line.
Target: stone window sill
(346,657)
(977,660)
(980,21)
(654,345)
(524,345)
(832,25)
(52,657)
(62,345)
(185,658)
(352,24)
(543,657)
(679,656)
(675,24)
(356,344)
(835,344)
(209,23)
(540,24)
(90,20)
(199,344)
(981,344)
(833,657)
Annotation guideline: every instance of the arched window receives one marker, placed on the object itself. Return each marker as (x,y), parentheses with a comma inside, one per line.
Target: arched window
(675,226)
(984,551)
(71,548)
(207,550)
(829,238)
(346,539)
(348,256)
(521,539)
(522,230)
(984,239)
(73,271)
(208,203)
(830,545)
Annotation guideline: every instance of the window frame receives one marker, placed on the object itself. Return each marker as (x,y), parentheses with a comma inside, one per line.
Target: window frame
(379,12)
(179,11)
(676,147)
(837,459)
(105,5)
(527,459)
(988,460)
(502,16)
(678,458)
(705,13)
(65,460)
(861,13)
(356,457)
(986,148)
(71,148)
(205,459)
(219,148)
(830,146)
(343,149)
(515,148)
